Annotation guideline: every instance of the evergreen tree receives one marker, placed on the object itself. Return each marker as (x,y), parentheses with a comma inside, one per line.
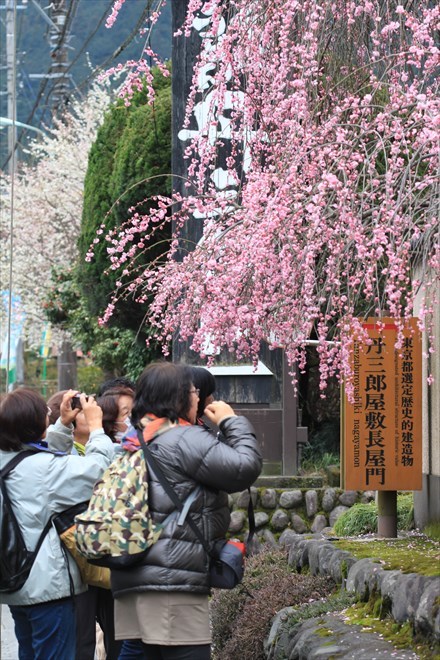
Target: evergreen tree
(129,162)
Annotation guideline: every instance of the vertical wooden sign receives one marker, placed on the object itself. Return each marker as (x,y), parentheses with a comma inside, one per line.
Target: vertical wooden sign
(382,428)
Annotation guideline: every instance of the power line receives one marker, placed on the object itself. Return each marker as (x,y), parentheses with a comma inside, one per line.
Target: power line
(120,48)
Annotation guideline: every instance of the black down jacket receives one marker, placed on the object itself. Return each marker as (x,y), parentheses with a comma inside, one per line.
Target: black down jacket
(192,456)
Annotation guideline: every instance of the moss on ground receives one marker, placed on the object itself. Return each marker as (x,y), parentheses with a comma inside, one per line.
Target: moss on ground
(415,554)
(400,635)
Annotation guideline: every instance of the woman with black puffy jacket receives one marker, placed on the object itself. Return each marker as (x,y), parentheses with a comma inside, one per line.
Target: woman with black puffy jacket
(164,600)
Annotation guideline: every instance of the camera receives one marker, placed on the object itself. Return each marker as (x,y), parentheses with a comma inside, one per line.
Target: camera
(76,402)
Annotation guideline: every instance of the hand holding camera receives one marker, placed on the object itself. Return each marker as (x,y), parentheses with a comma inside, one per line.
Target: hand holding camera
(68,411)
(76,401)
(92,412)
(217,411)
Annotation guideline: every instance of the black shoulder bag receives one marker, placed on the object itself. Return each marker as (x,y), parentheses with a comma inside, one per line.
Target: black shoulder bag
(16,560)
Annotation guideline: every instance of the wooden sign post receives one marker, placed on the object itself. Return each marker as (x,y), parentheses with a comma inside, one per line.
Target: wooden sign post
(382,426)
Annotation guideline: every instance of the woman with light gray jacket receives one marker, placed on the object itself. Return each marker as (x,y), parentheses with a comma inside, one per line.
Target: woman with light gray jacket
(41,485)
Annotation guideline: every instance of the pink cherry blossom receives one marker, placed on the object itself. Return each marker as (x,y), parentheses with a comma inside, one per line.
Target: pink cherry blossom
(335,123)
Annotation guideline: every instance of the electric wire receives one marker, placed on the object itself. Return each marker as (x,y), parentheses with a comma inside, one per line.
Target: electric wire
(44,83)
(120,49)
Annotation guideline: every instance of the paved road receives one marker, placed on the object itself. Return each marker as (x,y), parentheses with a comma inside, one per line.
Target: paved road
(8,646)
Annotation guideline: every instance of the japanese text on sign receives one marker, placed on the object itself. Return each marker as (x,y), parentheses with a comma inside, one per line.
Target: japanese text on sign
(383,424)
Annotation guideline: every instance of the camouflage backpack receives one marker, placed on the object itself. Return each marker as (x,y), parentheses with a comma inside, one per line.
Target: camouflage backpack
(117,530)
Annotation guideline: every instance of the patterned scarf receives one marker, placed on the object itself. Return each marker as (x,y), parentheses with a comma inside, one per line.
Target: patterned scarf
(155,426)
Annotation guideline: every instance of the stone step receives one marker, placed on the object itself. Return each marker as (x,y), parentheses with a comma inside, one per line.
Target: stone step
(284,481)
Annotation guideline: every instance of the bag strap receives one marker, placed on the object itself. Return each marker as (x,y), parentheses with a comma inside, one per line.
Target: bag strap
(66,519)
(181,515)
(3,473)
(150,459)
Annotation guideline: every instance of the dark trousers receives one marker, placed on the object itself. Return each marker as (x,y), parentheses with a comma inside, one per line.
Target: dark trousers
(95,605)
(135,649)
(192,652)
(45,631)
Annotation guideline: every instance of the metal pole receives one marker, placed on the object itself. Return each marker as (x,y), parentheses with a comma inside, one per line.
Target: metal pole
(44,377)
(11,68)
(12,138)
(387,513)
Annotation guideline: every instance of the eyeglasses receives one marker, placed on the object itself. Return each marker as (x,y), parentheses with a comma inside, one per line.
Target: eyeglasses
(195,391)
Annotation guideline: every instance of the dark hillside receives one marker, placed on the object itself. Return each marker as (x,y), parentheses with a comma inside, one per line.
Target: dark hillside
(91,46)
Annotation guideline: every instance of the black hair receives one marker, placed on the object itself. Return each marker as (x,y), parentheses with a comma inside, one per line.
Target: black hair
(204,381)
(119,381)
(23,418)
(108,402)
(163,389)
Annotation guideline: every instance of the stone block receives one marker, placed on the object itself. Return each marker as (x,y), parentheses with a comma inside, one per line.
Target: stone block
(311,498)
(325,558)
(387,583)
(348,497)
(341,563)
(279,520)
(237,522)
(268,498)
(360,577)
(275,645)
(315,546)
(299,555)
(298,523)
(268,538)
(242,501)
(287,538)
(319,523)
(407,596)
(368,496)
(427,617)
(328,499)
(261,519)
(336,513)
(290,499)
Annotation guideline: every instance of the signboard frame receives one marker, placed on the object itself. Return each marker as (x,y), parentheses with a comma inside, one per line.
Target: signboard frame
(381,445)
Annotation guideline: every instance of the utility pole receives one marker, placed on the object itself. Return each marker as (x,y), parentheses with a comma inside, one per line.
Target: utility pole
(11,77)
(58,39)
(59,53)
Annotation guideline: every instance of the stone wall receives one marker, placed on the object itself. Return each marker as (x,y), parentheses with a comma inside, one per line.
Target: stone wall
(407,597)
(299,509)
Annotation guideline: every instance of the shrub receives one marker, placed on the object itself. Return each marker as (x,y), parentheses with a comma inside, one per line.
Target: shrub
(362,518)
(241,618)
(359,519)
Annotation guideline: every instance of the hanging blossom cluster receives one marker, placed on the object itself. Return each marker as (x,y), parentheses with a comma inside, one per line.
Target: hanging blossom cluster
(138,75)
(47,201)
(334,149)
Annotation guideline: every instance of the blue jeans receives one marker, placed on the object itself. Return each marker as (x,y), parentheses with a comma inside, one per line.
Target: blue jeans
(132,649)
(45,631)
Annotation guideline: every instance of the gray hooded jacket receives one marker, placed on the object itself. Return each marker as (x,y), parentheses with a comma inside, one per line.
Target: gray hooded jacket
(191,456)
(39,487)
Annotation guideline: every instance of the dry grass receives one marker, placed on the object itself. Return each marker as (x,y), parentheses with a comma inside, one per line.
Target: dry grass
(241,618)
